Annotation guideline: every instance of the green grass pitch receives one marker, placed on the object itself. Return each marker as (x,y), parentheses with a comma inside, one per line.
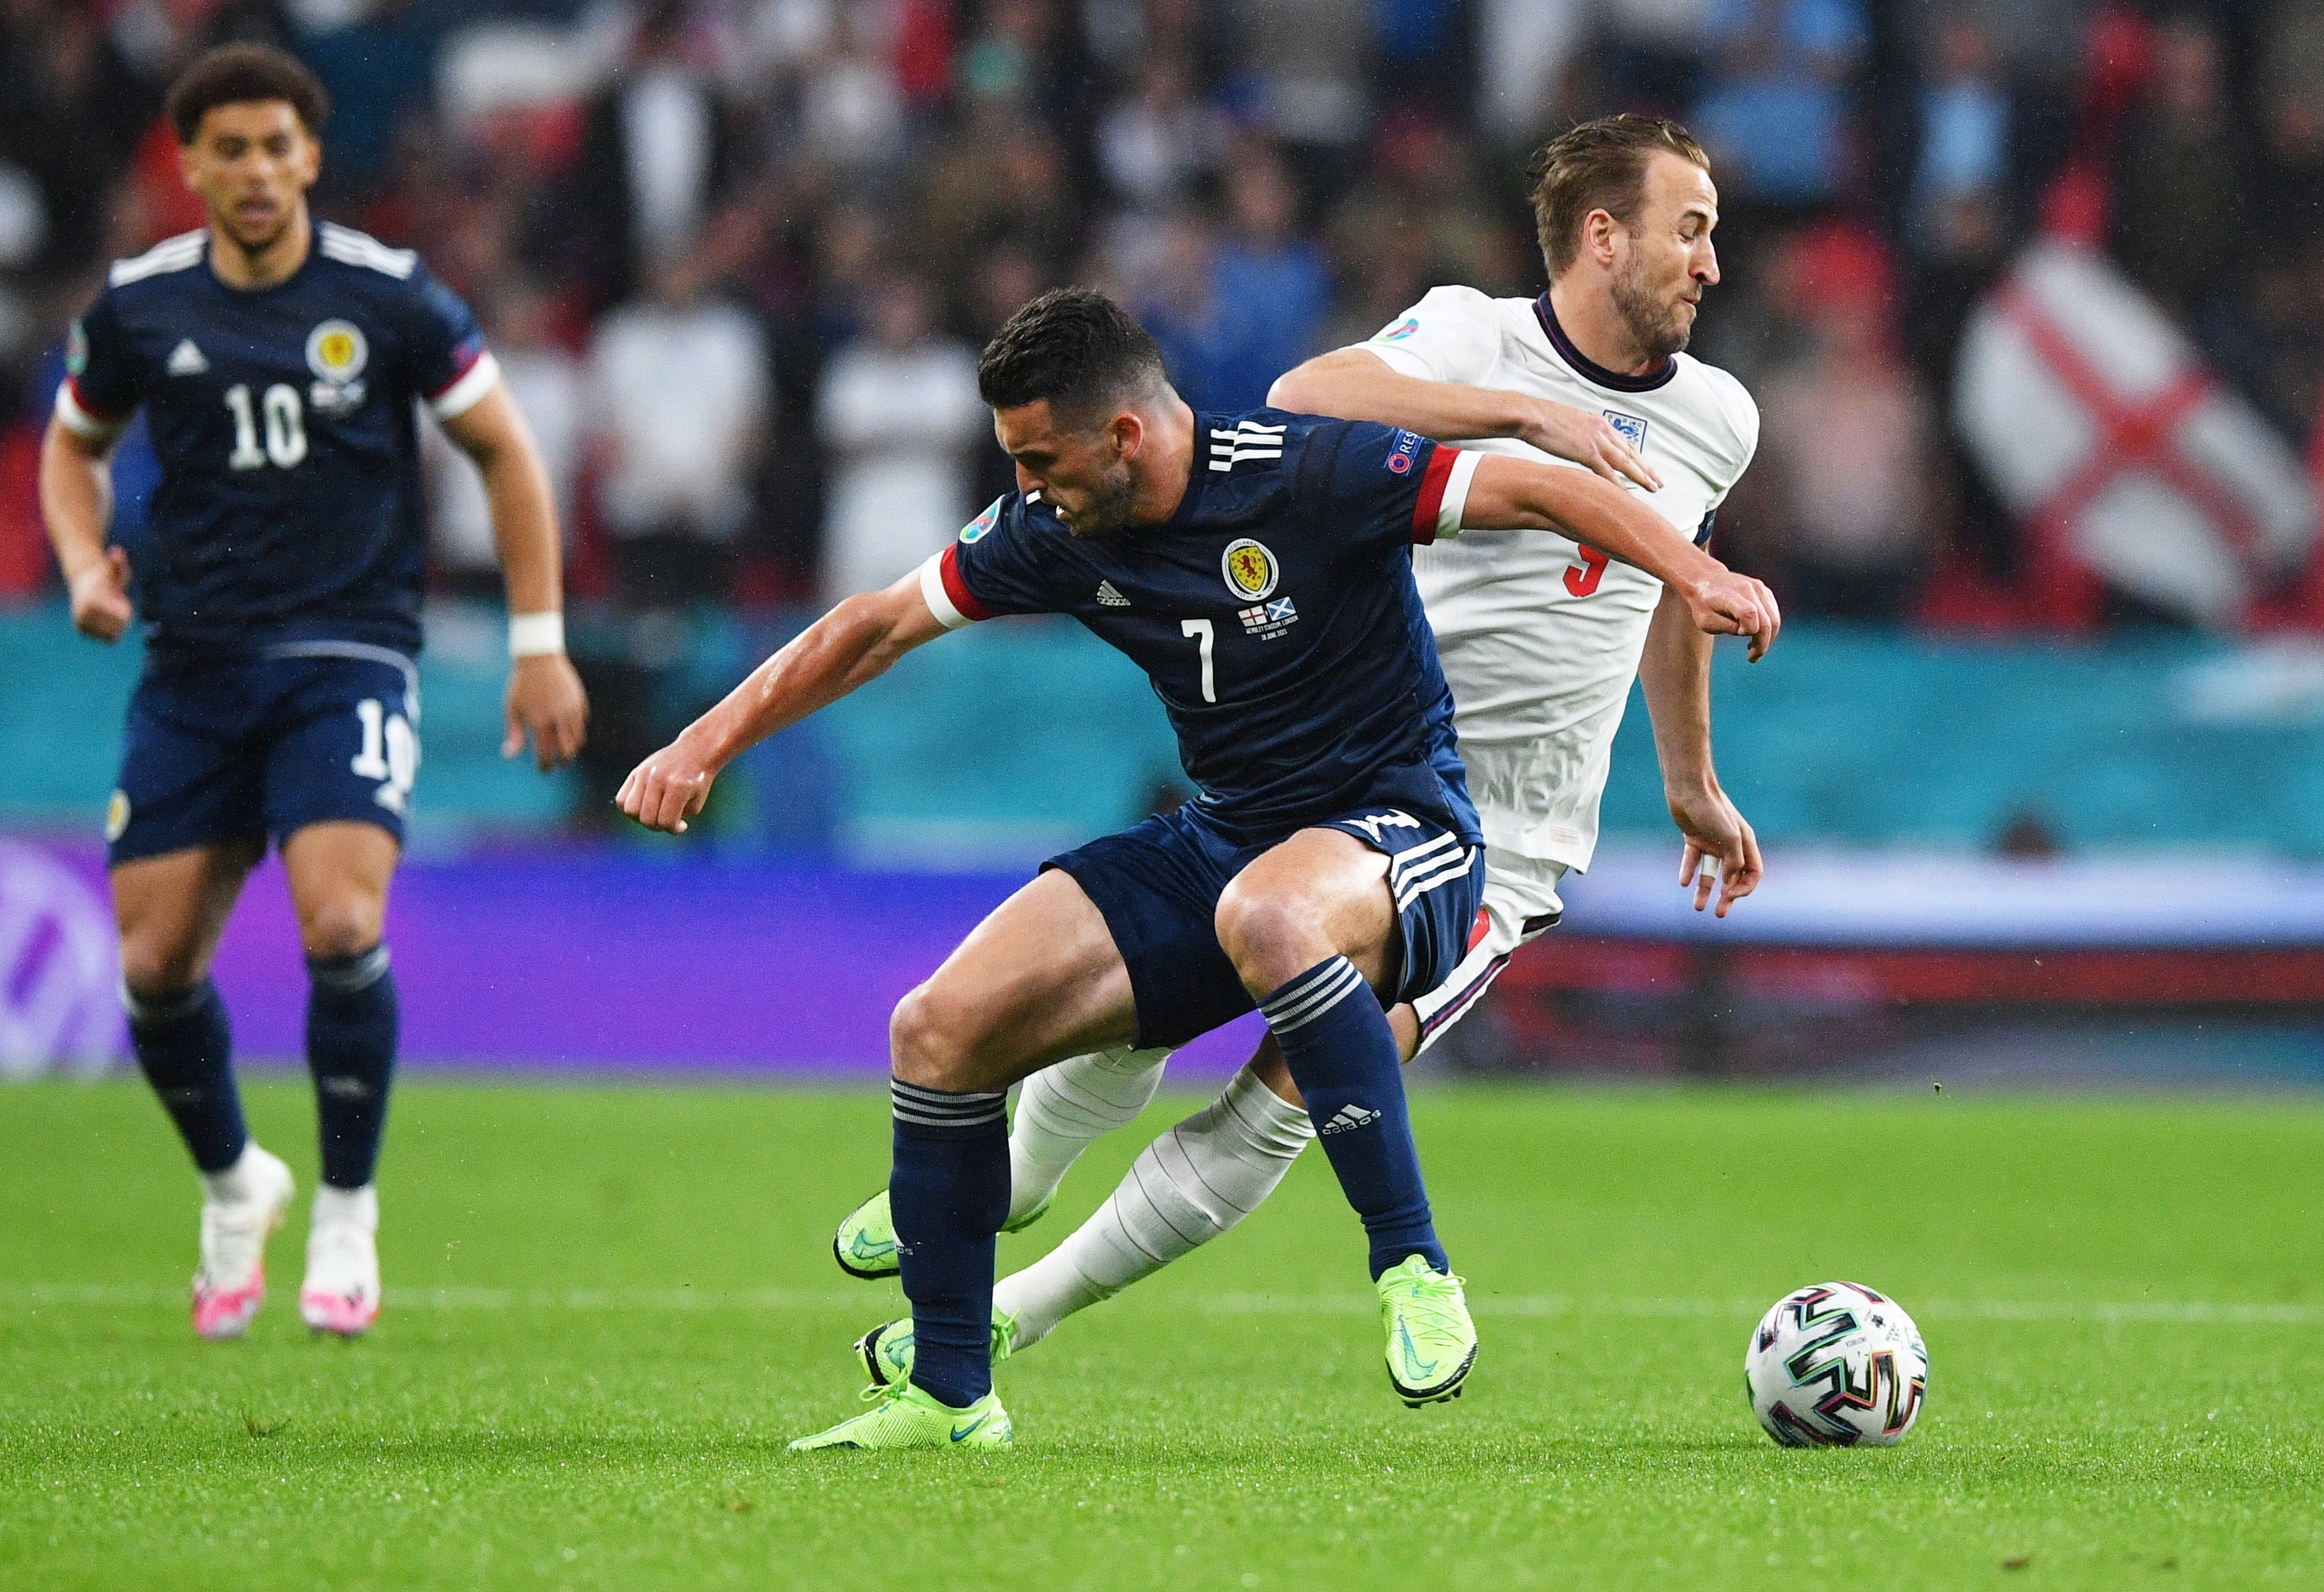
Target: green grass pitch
(609,1307)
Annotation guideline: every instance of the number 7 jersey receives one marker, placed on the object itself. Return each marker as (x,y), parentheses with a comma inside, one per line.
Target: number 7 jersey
(289,510)
(1540,636)
(1274,613)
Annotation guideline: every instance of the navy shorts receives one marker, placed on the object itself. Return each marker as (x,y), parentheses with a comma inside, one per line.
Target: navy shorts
(1158,884)
(264,746)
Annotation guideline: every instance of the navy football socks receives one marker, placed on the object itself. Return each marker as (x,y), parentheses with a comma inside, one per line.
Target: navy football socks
(1344,1056)
(185,1051)
(948,1196)
(351,1026)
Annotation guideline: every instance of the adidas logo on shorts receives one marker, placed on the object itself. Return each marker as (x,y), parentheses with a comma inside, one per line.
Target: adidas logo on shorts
(1350,1117)
(1111,598)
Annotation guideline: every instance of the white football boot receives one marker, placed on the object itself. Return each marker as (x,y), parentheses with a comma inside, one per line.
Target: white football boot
(341,1292)
(244,1207)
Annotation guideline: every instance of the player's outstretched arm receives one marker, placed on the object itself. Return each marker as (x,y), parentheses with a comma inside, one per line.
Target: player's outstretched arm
(1526,495)
(856,642)
(1355,384)
(1674,671)
(545,699)
(76,505)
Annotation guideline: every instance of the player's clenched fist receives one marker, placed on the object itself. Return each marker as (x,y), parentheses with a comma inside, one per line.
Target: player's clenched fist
(1725,604)
(667,788)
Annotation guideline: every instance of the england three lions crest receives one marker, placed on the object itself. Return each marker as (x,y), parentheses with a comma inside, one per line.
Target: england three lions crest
(1633,429)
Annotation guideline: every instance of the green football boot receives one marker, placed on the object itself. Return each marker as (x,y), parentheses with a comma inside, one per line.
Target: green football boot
(865,1244)
(903,1416)
(886,1350)
(1431,1341)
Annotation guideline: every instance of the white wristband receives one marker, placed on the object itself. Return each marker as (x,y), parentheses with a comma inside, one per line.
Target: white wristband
(536,635)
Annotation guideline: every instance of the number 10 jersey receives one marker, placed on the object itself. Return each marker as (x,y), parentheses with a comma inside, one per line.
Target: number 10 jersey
(289,510)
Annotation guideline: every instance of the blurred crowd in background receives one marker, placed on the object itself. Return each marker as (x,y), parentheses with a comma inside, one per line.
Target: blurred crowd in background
(737,256)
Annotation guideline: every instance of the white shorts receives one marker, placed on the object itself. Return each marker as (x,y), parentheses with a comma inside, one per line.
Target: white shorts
(1520,904)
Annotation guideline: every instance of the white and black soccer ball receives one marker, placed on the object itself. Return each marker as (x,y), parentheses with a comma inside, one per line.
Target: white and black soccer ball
(1835,1364)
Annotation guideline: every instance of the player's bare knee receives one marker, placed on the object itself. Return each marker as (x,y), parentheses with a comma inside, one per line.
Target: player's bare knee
(926,1040)
(154,969)
(1270,939)
(344,925)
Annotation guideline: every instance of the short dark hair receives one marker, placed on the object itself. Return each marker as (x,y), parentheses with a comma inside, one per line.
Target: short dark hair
(244,74)
(1073,347)
(1599,165)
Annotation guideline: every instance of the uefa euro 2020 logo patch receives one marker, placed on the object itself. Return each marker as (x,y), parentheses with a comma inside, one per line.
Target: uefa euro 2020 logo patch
(1399,331)
(1633,429)
(1400,456)
(337,353)
(1251,569)
(975,529)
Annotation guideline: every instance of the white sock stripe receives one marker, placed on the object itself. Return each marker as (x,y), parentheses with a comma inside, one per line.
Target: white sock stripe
(983,1108)
(362,974)
(1323,1003)
(965,1113)
(929,1107)
(1314,1003)
(1324,983)
(1320,973)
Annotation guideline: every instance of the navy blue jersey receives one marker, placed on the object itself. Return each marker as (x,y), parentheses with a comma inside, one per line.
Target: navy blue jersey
(1274,611)
(289,510)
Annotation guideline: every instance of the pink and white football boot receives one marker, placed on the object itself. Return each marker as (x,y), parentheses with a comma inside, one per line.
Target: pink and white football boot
(244,1207)
(341,1292)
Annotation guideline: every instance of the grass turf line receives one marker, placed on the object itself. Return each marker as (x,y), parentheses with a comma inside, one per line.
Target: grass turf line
(2121,1302)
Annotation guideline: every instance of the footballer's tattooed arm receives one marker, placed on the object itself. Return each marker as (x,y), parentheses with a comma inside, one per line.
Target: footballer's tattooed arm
(1524,494)
(1352,384)
(853,644)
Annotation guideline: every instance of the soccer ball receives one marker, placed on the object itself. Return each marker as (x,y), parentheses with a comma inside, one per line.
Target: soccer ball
(1836,1365)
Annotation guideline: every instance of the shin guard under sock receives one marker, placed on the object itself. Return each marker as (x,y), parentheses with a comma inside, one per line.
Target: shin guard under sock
(185,1051)
(948,1196)
(1344,1056)
(351,1027)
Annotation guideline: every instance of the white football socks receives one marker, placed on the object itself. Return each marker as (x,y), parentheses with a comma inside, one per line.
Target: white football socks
(1184,1189)
(240,1183)
(1061,1109)
(358,1207)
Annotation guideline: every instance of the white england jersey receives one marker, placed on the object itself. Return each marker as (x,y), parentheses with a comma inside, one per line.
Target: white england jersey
(1541,636)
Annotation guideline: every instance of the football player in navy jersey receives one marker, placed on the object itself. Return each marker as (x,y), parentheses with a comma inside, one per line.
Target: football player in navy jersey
(278,364)
(1257,567)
